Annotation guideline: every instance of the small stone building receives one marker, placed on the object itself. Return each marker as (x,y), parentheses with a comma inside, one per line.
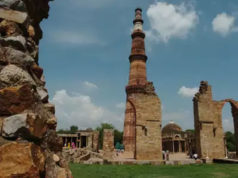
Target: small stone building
(81,139)
(175,140)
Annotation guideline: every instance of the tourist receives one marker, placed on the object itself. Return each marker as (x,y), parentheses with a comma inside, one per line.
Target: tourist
(195,156)
(167,155)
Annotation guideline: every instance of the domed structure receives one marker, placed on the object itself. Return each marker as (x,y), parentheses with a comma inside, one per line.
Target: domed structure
(173,138)
(171,128)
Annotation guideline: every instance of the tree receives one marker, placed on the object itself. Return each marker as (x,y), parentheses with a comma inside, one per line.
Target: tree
(230,141)
(118,136)
(73,129)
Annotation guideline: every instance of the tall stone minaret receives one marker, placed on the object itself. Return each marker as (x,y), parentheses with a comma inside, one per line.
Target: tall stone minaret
(142,125)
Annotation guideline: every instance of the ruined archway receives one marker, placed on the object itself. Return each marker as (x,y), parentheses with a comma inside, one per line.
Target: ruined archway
(209,134)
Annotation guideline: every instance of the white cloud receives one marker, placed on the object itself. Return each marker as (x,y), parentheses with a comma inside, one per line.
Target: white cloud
(228,125)
(76,38)
(224,24)
(80,110)
(90,85)
(187,92)
(121,105)
(170,21)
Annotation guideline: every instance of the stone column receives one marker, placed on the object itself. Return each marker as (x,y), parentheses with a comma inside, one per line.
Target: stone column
(95,141)
(234,106)
(108,140)
(180,146)
(173,145)
(28,139)
(108,143)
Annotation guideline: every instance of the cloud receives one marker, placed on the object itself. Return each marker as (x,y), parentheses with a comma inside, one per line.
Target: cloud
(121,105)
(75,38)
(224,24)
(187,92)
(228,124)
(89,85)
(78,109)
(169,21)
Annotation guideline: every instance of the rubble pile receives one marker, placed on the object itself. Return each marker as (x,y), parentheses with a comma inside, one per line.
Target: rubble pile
(29,146)
(83,156)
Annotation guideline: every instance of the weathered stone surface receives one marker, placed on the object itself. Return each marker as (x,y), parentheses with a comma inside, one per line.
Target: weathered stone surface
(1,123)
(95,141)
(11,75)
(12,15)
(8,28)
(50,107)
(56,158)
(14,100)
(13,4)
(12,124)
(209,133)
(26,125)
(52,142)
(12,56)
(43,94)
(38,71)
(108,140)
(24,109)
(27,160)
(17,42)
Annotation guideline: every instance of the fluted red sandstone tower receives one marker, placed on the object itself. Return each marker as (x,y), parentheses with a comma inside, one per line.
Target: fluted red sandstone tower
(142,125)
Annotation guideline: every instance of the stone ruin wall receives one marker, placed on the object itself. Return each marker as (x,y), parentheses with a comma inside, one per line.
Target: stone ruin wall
(148,143)
(95,141)
(209,134)
(29,146)
(108,140)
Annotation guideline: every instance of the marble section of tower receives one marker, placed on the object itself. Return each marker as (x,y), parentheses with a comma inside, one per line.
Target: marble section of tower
(142,124)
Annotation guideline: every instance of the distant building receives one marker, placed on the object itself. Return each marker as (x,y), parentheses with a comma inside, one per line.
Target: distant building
(81,139)
(175,140)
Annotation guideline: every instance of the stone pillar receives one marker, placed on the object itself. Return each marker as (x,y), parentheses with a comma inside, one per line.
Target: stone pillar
(234,105)
(95,141)
(173,145)
(108,140)
(90,141)
(208,124)
(28,139)
(180,146)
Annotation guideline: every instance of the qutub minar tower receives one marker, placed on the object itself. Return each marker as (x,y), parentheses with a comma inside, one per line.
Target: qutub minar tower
(142,125)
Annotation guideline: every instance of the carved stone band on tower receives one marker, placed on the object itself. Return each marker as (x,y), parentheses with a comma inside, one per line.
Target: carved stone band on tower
(142,125)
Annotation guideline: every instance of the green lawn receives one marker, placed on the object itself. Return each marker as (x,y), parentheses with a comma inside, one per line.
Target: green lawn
(148,171)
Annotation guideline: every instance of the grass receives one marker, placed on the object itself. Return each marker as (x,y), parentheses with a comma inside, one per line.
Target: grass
(148,171)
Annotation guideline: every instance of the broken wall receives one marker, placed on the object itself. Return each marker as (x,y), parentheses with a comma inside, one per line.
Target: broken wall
(29,146)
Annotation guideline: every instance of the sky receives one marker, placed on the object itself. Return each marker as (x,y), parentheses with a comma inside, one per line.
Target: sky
(86,45)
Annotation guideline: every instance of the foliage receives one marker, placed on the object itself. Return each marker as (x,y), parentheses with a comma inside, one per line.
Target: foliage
(73,129)
(118,136)
(190,130)
(230,141)
(150,171)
